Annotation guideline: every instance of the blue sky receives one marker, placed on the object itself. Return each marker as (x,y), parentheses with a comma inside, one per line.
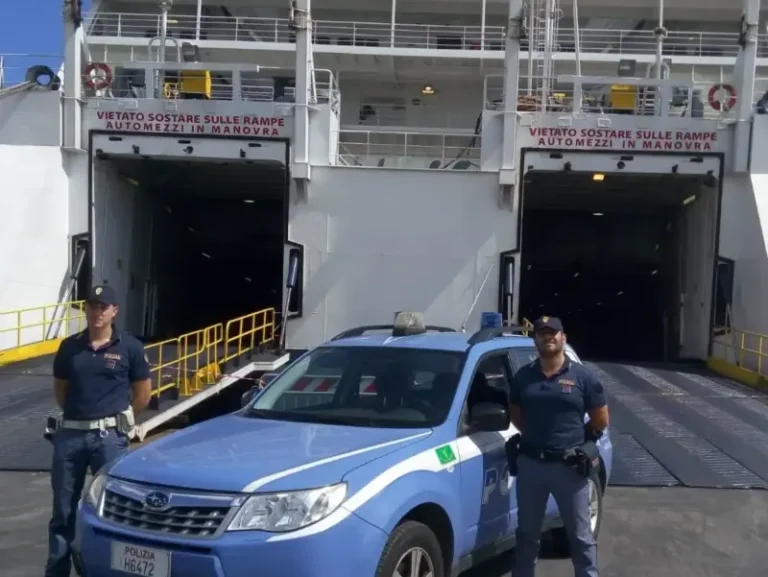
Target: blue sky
(31,27)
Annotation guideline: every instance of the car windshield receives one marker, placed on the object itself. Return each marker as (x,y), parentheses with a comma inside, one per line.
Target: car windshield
(364,386)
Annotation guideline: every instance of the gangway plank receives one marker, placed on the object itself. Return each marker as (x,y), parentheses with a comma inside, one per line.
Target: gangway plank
(185,372)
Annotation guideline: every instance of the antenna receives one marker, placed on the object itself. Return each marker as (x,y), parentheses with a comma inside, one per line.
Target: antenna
(474,302)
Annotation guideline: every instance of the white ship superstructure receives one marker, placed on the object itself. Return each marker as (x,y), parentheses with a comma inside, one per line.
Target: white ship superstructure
(592,161)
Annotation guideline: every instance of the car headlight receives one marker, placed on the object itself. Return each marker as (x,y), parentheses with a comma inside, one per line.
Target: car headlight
(95,490)
(281,512)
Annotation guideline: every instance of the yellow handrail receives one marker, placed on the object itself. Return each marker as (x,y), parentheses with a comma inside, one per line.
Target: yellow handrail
(193,360)
(188,362)
(743,349)
(36,331)
(240,333)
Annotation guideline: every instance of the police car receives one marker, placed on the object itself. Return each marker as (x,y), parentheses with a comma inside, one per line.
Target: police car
(372,454)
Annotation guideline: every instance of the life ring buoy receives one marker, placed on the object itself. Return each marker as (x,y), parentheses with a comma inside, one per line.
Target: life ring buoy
(719,105)
(97,76)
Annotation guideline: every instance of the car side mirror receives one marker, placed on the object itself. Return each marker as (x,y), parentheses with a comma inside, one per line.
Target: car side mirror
(264,380)
(248,395)
(489,417)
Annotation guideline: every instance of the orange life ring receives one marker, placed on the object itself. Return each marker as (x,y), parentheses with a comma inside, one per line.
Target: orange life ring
(97,76)
(719,105)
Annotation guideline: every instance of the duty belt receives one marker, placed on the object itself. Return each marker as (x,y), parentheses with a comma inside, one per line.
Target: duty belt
(542,455)
(95,425)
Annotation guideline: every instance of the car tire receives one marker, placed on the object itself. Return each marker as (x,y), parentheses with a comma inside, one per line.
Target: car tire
(561,544)
(412,541)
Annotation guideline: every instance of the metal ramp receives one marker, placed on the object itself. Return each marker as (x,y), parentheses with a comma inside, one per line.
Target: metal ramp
(185,371)
(681,425)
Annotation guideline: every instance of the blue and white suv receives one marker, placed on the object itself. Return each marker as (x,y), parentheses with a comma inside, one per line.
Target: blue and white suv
(371,455)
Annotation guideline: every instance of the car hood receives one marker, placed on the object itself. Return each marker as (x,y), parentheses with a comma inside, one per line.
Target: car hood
(235,453)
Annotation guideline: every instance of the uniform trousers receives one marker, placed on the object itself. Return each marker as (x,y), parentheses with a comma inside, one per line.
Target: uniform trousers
(536,480)
(74,453)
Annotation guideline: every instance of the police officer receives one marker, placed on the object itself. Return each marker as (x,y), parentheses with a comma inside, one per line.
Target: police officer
(549,398)
(101,379)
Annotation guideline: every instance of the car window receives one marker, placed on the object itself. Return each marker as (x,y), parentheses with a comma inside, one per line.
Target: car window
(490,383)
(365,386)
(494,369)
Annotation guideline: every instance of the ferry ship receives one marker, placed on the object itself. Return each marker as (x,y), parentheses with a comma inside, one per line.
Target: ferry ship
(276,172)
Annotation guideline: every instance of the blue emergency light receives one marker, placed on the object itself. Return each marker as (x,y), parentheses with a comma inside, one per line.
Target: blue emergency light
(491,320)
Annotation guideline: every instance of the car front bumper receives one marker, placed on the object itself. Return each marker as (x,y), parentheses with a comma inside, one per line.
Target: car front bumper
(348,549)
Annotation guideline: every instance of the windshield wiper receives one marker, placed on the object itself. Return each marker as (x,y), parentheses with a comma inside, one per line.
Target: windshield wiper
(308,417)
(259,414)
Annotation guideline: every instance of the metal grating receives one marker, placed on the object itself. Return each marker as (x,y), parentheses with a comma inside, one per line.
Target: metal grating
(665,425)
(635,467)
(187,521)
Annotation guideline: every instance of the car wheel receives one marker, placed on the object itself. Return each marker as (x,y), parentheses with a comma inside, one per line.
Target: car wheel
(561,545)
(411,551)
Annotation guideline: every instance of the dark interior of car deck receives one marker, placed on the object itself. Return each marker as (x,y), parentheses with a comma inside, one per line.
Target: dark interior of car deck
(217,239)
(603,256)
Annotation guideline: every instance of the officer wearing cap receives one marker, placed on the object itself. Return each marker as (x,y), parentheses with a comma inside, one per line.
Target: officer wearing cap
(101,379)
(549,399)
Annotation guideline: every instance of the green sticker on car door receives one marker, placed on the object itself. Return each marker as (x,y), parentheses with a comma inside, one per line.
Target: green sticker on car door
(445,454)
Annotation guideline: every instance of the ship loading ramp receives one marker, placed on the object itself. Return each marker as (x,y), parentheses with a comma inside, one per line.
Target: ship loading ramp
(623,247)
(191,234)
(186,371)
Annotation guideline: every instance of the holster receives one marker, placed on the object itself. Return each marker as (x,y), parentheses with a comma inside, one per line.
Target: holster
(512,447)
(585,459)
(51,426)
(125,421)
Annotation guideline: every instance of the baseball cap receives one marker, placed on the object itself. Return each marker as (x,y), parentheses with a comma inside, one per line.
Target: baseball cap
(551,323)
(103,294)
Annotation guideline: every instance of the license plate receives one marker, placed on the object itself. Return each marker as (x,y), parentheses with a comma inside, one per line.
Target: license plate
(136,560)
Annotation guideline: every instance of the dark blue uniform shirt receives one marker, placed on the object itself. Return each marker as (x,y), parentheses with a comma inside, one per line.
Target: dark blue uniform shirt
(553,408)
(99,379)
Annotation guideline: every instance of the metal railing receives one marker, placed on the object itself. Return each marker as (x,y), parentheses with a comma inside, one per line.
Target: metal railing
(228,82)
(35,325)
(193,360)
(677,42)
(278,30)
(745,349)
(363,115)
(408,150)
(188,362)
(418,36)
(687,100)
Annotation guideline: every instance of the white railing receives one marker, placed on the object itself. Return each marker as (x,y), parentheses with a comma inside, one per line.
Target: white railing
(362,116)
(418,36)
(408,150)
(277,30)
(231,82)
(689,100)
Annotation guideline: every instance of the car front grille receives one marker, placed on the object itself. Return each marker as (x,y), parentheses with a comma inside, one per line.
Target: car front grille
(187,521)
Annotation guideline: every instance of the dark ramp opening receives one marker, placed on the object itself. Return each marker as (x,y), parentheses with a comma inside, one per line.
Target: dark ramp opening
(217,241)
(604,256)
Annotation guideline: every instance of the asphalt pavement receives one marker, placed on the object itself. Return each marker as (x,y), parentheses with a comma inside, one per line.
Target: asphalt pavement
(659,532)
